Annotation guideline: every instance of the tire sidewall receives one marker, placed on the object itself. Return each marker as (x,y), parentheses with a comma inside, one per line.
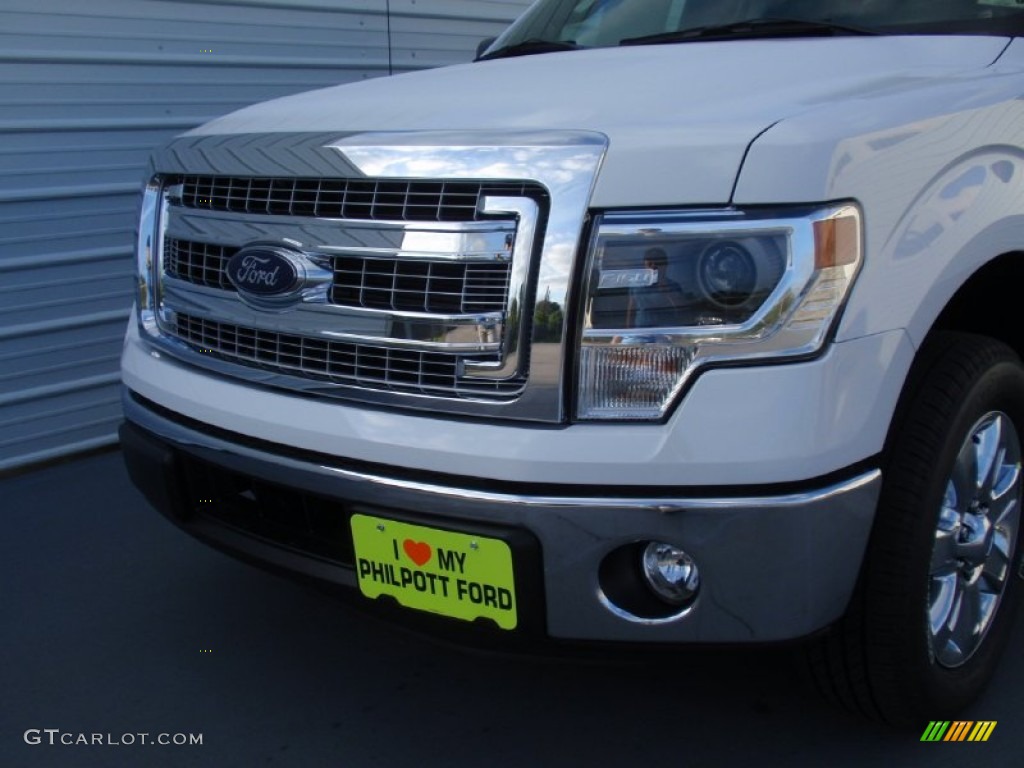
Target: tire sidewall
(929,685)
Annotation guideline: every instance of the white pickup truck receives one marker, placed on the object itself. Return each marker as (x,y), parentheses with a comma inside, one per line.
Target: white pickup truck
(663,322)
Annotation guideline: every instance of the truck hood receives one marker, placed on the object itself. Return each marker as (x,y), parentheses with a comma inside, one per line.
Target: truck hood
(679,118)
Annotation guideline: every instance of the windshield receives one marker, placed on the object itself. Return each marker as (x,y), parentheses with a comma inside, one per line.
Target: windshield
(597,23)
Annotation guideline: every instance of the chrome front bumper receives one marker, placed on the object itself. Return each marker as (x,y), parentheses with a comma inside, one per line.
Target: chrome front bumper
(773,567)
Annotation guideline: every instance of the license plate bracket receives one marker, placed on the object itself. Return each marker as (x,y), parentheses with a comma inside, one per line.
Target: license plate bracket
(450,573)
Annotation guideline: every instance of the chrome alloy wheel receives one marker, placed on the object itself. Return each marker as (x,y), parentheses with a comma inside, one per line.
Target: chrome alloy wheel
(974,540)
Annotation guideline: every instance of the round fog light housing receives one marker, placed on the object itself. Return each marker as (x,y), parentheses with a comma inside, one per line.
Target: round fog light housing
(670,573)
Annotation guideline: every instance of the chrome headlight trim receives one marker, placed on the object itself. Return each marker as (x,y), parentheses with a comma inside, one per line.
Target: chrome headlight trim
(823,255)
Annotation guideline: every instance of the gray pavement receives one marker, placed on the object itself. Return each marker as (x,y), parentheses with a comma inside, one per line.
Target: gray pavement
(116,623)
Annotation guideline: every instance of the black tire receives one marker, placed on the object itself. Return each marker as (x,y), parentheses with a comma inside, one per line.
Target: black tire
(889,657)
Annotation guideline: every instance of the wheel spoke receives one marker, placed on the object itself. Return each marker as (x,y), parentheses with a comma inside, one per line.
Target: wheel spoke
(989,452)
(1006,482)
(950,501)
(945,647)
(944,553)
(1004,514)
(1002,544)
(987,603)
(996,567)
(965,631)
(965,475)
(943,602)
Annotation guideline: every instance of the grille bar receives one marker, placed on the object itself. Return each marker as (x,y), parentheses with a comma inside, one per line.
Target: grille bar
(198,263)
(407,285)
(363,365)
(366,199)
(418,285)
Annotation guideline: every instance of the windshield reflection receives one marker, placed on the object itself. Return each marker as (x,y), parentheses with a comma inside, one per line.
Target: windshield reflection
(602,23)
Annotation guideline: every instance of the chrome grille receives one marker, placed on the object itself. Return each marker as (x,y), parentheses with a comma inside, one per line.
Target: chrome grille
(366,199)
(198,263)
(418,285)
(366,366)
(404,285)
(481,197)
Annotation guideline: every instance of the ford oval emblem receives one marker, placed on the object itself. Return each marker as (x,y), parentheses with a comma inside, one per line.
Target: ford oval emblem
(265,272)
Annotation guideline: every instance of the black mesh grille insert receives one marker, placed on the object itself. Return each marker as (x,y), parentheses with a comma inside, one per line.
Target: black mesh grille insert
(298,521)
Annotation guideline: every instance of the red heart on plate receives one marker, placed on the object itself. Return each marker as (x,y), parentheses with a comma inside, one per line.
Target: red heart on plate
(418,551)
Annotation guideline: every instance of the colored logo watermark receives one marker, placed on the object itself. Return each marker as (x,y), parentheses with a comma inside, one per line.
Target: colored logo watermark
(958,730)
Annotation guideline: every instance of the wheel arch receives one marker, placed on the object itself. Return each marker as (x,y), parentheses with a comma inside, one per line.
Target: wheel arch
(982,305)
(989,303)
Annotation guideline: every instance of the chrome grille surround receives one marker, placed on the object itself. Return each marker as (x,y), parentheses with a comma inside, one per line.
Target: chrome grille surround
(440,316)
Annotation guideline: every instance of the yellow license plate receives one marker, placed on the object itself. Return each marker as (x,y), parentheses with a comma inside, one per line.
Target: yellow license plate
(453,574)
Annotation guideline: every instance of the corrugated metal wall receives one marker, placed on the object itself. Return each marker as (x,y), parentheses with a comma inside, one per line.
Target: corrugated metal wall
(87,88)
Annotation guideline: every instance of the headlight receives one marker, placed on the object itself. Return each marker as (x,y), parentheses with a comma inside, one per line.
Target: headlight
(667,293)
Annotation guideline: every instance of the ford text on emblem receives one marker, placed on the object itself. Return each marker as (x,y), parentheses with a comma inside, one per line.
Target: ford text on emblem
(266,274)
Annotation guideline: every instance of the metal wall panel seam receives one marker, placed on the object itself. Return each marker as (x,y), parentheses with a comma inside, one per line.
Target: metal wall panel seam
(253,33)
(27,372)
(63,323)
(6,465)
(101,124)
(448,9)
(102,421)
(105,423)
(103,342)
(106,168)
(62,388)
(60,193)
(366,7)
(65,258)
(116,296)
(108,423)
(260,62)
(68,257)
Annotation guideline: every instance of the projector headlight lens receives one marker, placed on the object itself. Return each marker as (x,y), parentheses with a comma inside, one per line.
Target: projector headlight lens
(727,274)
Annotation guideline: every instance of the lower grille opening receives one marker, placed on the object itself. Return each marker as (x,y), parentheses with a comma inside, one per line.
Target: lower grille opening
(299,521)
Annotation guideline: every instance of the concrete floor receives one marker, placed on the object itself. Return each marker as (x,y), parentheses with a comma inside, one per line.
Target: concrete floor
(114,622)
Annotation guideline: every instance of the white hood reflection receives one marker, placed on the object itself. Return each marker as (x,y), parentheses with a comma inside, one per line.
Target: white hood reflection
(678,117)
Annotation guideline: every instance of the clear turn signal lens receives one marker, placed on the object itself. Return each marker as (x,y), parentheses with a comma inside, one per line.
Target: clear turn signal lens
(630,381)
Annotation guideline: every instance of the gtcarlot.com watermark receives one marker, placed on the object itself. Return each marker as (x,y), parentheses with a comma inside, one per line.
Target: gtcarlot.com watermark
(56,737)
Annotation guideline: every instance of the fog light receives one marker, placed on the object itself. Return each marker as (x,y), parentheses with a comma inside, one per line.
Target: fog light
(670,573)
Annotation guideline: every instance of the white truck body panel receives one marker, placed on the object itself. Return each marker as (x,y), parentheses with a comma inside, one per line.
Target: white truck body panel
(674,139)
(892,163)
(780,425)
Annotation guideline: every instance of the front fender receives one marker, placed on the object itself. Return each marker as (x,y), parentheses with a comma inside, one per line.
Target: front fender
(939,173)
